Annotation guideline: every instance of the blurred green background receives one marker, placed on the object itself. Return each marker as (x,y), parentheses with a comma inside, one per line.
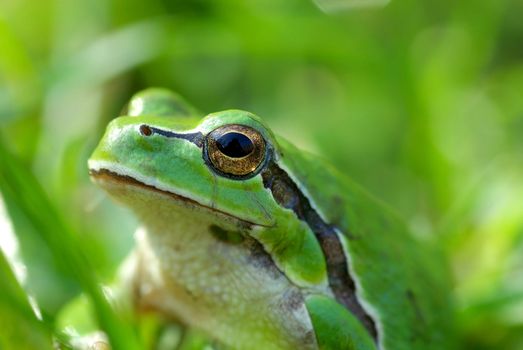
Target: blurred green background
(419,101)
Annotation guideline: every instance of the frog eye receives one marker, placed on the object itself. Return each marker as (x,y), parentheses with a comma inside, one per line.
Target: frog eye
(235,150)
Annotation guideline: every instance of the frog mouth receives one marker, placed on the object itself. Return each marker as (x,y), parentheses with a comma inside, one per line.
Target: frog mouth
(103,175)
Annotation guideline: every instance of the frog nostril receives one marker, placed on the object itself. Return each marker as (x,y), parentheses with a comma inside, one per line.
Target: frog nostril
(145,130)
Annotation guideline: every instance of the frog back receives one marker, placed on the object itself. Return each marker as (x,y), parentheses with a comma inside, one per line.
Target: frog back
(402,284)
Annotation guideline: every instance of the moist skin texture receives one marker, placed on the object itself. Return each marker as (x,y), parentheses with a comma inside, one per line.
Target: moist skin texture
(287,194)
(203,265)
(184,272)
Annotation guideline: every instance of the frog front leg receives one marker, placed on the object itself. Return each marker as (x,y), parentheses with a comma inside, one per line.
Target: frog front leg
(335,327)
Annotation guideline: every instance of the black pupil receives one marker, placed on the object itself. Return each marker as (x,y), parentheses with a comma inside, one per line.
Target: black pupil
(235,145)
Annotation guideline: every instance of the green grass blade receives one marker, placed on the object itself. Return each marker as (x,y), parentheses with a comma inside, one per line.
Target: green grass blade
(20,329)
(19,185)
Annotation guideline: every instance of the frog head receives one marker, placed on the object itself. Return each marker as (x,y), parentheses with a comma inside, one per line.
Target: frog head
(212,164)
(221,169)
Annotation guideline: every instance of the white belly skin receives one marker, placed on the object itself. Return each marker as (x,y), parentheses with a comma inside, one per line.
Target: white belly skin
(231,291)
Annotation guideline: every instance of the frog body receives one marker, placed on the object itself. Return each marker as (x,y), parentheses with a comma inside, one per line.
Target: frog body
(262,245)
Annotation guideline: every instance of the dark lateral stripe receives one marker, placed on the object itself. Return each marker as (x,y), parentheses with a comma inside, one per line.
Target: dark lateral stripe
(195,137)
(288,195)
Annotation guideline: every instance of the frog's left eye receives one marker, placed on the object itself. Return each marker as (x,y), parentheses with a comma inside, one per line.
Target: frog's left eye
(237,151)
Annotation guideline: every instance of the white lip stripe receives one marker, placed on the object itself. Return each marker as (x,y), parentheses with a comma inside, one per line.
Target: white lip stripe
(98,165)
(369,309)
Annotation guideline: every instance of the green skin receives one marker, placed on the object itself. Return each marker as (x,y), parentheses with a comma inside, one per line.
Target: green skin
(233,258)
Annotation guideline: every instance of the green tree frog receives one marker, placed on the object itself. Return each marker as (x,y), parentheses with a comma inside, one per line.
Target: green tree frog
(261,245)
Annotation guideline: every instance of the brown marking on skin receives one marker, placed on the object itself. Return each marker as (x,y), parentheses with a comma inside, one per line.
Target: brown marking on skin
(288,195)
(226,236)
(194,137)
(310,337)
(261,259)
(293,300)
(145,130)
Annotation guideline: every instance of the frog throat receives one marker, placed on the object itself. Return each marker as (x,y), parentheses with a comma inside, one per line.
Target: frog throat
(287,194)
